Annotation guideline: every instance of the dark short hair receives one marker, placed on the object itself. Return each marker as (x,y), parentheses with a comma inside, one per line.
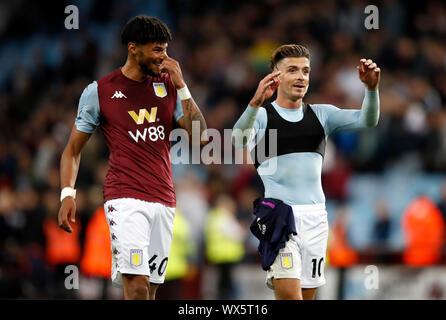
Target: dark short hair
(288,50)
(143,29)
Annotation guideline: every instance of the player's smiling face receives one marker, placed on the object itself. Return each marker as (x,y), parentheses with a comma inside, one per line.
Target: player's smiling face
(294,77)
(150,56)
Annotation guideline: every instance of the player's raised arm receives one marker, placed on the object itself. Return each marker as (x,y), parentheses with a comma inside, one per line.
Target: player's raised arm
(69,167)
(190,108)
(264,91)
(369,73)
(368,116)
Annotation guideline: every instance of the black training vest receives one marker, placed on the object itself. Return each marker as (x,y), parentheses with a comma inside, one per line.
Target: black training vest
(306,135)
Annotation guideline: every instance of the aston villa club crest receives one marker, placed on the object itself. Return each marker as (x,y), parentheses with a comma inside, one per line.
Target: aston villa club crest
(286,260)
(160,89)
(135,257)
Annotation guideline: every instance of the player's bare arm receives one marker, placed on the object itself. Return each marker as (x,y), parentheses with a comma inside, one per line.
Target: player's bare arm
(190,108)
(369,74)
(193,113)
(69,167)
(265,89)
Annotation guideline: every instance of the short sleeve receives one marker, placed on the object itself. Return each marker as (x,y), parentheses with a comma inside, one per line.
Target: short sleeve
(88,113)
(178,113)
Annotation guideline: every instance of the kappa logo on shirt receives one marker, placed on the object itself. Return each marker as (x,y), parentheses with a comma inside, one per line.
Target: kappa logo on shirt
(118,94)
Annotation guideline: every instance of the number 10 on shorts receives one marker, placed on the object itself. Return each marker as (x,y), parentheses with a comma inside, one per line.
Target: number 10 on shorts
(317,267)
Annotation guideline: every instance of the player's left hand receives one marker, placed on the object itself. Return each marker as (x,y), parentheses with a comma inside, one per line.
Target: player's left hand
(369,74)
(173,68)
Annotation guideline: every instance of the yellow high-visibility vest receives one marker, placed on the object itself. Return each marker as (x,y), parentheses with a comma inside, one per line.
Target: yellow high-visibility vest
(181,248)
(221,247)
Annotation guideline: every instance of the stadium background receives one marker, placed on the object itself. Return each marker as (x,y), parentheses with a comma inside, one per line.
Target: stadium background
(369,178)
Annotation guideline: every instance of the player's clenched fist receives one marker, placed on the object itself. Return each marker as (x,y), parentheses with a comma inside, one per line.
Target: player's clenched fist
(67,211)
(369,74)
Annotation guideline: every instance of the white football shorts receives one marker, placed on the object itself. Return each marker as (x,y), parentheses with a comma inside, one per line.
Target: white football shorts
(304,254)
(141,235)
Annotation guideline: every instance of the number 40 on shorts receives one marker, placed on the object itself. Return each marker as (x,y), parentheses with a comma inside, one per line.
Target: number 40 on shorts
(162,266)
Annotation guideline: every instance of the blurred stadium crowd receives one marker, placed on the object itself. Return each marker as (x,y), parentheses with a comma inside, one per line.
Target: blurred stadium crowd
(223,48)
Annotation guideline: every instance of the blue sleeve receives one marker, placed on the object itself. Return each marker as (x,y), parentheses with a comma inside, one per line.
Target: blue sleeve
(178,113)
(334,119)
(88,111)
(248,125)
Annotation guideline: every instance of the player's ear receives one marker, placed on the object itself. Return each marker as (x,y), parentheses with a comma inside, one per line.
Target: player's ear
(131,48)
(280,75)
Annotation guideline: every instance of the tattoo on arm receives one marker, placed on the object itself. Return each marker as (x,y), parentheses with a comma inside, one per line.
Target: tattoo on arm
(193,113)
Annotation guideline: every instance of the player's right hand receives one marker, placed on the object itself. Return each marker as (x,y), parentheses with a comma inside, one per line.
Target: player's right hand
(67,211)
(265,89)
